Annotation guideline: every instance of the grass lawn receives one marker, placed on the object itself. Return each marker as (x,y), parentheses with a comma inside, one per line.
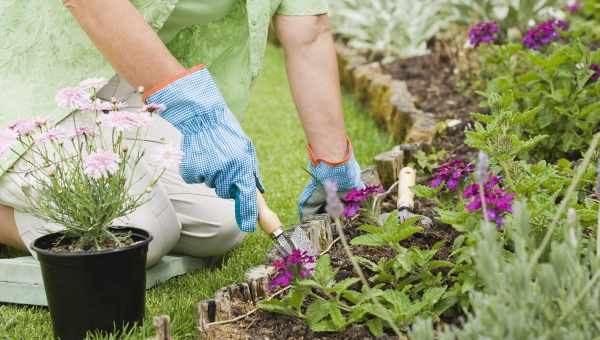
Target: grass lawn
(272,123)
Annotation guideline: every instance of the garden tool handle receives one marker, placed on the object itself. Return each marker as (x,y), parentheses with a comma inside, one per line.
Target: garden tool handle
(406,179)
(268,220)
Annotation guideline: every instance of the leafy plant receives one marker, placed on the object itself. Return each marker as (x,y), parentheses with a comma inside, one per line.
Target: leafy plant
(394,28)
(428,161)
(404,287)
(554,92)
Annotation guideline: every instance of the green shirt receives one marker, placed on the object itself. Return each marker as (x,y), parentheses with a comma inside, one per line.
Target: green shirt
(42,48)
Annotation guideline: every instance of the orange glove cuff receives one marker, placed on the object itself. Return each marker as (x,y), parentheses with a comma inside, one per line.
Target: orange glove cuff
(168,81)
(314,160)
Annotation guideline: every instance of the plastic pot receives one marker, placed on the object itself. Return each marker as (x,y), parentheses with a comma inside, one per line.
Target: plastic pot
(94,291)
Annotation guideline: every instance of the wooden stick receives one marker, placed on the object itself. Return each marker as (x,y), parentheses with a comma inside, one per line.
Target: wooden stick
(162,324)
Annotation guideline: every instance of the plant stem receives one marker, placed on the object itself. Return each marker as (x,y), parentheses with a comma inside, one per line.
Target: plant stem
(563,204)
(361,275)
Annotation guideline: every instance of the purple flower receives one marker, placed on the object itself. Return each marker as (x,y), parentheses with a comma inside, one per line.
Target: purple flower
(497,200)
(574,7)
(483,33)
(354,199)
(451,174)
(297,265)
(596,69)
(544,33)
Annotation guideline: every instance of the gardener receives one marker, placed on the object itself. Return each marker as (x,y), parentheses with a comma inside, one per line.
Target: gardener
(44,50)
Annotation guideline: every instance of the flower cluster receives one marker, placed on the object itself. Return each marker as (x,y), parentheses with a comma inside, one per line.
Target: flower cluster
(450,174)
(101,164)
(356,197)
(596,69)
(297,265)
(497,200)
(483,33)
(574,7)
(544,33)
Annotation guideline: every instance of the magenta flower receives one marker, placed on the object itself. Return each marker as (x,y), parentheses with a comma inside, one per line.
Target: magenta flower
(123,120)
(155,108)
(23,127)
(73,98)
(596,69)
(297,265)
(451,174)
(101,164)
(544,33)
(483,33)
(574,7)
(92,84)
(169,156)
(497,201)
(52,135)
(354,199)
(7,139)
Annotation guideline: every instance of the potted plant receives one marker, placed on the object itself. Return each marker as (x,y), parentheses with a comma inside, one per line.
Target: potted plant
(93,271)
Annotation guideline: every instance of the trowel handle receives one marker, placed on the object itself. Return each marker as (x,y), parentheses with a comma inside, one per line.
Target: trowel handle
(406,179)
(269,222)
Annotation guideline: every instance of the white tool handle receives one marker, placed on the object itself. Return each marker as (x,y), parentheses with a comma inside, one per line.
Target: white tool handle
(406,179)
(269,221)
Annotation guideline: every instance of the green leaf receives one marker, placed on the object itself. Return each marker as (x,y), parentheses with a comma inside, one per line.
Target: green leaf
(336,316)
(317,311)
(343,285)
(424,191)
(433,295)
(276,306)
(323,326)
(375,327)
(296,298)
(371,229)
(368,240)
(324,273)
(402,234)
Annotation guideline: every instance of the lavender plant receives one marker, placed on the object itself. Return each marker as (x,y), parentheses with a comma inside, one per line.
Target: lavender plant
(393,28)
(83,179)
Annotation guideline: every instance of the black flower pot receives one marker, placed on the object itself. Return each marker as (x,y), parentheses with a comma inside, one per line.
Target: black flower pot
(94,291)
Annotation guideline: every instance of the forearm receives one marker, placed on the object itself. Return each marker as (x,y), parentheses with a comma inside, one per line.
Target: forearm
(314,80)
(120,33)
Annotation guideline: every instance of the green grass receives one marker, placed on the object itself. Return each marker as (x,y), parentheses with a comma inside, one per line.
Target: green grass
(272,123)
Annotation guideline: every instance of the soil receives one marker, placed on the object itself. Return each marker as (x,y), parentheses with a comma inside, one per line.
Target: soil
(70,245)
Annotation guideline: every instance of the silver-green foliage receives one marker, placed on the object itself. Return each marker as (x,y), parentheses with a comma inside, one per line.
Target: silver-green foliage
(557,297)
(507,13)
(394,28)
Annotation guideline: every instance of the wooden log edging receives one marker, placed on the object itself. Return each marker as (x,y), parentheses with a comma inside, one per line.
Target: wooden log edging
(389,101)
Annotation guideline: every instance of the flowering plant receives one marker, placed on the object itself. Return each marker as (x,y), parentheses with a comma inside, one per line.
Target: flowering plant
(495,201)
(82,174)
(355,199)
(544,33)
(297,265)
(483,33)
(449,175)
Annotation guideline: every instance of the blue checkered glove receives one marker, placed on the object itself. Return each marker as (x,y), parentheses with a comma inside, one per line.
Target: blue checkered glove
(215,149)
(345,174)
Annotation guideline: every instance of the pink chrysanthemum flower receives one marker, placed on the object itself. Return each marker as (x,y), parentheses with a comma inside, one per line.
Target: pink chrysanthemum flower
(82,132)
(169,156)
(98,105)
(123,120)
(101,164)
(7,138)
(40,122)
(73,98)
(52,135)
(23,127)
(93,84)
(155,108)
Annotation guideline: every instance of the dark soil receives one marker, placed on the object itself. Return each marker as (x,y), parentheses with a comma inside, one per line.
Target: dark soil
(430,79)
(72,245)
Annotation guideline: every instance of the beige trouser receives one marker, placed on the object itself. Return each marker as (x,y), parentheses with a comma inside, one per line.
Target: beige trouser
(183,218)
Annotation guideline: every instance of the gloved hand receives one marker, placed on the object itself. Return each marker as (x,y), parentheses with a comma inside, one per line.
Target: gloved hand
(215,149)
(345,174)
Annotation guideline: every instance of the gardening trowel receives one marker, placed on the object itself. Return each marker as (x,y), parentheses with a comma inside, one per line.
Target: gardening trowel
(406,198)
(285,241)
